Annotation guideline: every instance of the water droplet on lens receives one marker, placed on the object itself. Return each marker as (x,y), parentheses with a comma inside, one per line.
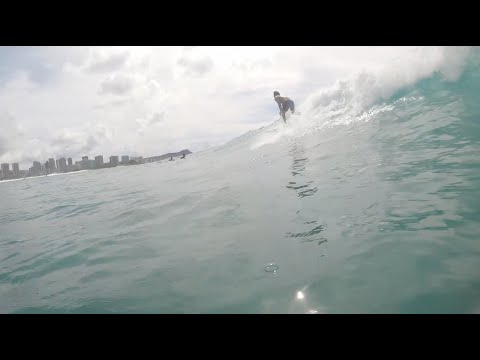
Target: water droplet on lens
(271,268)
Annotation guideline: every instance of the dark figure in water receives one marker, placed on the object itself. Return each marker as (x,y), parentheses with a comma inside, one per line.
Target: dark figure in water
(171,158)
(183,156)
(284,104)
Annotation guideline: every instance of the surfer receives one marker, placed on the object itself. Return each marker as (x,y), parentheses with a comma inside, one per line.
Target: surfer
(284,104)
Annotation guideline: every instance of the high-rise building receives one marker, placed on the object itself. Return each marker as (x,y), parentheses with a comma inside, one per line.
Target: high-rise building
(37,168)
(56,164)
(75,167)
(99,161)
(125,159)
(62,164)
(5,171)
(70,161)
(85,163)
(113,160)
(16,169)
(51,165)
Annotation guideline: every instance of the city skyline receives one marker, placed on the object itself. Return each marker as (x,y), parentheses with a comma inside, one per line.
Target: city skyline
(64,165)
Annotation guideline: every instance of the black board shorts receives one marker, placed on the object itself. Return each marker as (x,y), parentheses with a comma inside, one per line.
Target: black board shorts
(288,105)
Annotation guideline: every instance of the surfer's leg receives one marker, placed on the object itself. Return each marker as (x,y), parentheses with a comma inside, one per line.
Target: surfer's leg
(288,105)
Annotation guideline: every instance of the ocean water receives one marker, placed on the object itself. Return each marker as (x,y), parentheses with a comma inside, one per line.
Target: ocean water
(366,202)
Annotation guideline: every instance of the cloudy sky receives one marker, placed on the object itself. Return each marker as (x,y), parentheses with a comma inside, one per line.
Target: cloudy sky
(75,101)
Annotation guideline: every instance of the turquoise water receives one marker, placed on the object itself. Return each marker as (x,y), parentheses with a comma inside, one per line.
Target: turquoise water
(377,212)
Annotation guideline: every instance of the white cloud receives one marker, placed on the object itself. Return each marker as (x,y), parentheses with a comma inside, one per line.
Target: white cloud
(146,123)
(68,141)
(157,118)
(11,134)
(197,67)
(116,85)
(101,61)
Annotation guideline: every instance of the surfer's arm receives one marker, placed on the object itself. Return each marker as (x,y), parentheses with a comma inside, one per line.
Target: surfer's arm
(279,101)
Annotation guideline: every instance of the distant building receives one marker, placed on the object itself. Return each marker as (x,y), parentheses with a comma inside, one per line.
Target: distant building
(113,160)
(75,167)
(5,171)
(125,159)
(56,164)
(138,159)
(36,169)
(85,163)
(99,162)
(91,164)
(70,162)
(51,165)
(62,165)
(16,169)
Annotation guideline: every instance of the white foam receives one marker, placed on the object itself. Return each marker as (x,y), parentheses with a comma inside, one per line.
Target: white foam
(42,176)
(357,94)
(280,131)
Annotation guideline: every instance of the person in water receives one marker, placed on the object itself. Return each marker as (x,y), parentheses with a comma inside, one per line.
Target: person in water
(284,104)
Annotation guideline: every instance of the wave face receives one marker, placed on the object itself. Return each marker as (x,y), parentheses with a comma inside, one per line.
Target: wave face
(367,202)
